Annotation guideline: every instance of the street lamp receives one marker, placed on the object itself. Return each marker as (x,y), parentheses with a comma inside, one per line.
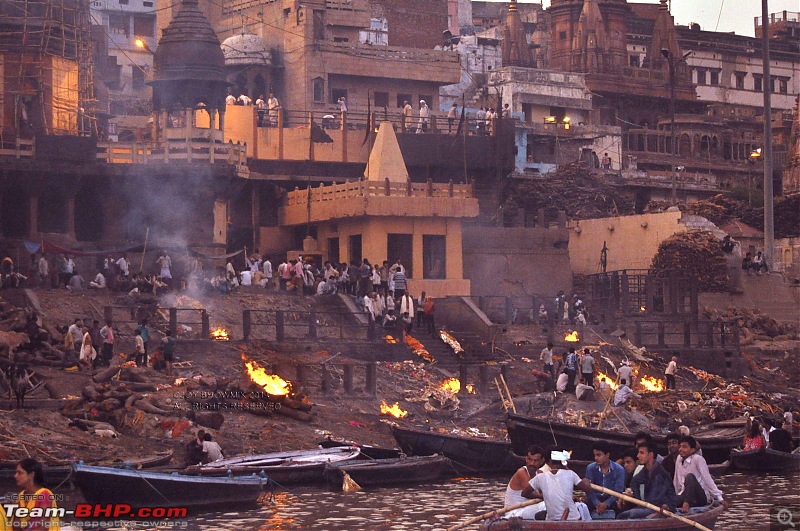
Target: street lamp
(143,45)
(672,61)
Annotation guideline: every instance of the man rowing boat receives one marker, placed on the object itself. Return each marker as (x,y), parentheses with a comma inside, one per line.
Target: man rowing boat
(534,464)
(556,488)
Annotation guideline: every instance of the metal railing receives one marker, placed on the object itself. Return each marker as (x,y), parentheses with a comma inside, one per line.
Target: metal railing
(19,148)
(280,325)
(171,151)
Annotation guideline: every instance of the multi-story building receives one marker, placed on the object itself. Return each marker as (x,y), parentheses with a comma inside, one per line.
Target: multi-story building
(128,28)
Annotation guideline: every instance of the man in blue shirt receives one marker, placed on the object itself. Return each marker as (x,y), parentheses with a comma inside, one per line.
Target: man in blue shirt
(608,474)
(572,368)
(652,485)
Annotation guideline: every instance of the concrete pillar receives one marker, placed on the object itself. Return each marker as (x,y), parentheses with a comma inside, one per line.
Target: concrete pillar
(372,378)
(279,320)
(624,293)
(71,217)
(463,374)
(694,305)
(300,374)
(326,380)
(246,324)
(312,325)
(205,325)
(540,219)
(661,334)
(483,378)
(347,377)
(33,220)
(173,321)
(687,334)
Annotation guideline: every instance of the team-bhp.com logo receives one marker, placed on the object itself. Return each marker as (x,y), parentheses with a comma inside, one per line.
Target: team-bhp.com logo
(94,511)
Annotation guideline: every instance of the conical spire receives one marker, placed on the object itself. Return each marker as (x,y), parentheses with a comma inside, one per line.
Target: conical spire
(386,160)
(516,51)
(664,38)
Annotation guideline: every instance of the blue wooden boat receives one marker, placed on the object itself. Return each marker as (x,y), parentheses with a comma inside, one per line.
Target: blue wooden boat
(137,488)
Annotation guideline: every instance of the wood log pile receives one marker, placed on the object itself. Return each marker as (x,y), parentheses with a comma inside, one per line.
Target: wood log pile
(24,339)
(573,189)
(696,255)
(723,207)
(755,325)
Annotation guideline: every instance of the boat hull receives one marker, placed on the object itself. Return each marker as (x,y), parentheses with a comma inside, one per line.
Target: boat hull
(102,485)
(469,455)
(706,518)
(766,460)
(526,431)
(413,470)
(370,452)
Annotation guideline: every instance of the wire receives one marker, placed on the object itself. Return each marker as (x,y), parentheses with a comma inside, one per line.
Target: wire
(719,16)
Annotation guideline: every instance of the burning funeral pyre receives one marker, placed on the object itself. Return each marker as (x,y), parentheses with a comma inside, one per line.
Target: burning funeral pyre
(220,334)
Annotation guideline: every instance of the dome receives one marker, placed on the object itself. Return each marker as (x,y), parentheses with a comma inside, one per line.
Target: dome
(246,49)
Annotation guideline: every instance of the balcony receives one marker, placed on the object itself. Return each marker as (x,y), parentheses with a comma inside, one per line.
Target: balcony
(375,198)
(175,151)
(348,59)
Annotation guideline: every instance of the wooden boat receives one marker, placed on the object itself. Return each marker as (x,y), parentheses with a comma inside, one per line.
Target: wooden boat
(137,488)
(283,468)
(523,431)
(415,469)
(706,518)
(367,451)
(469,455)
(765,460)
(56,475)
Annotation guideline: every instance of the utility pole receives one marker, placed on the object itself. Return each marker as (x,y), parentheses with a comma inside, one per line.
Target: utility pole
(769,219)
(674,162)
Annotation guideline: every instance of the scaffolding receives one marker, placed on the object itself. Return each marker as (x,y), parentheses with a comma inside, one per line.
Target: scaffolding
(46,71)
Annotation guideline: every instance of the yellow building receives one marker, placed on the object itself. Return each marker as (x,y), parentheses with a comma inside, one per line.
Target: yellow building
(385,216)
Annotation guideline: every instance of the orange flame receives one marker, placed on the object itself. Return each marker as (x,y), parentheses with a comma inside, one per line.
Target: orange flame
(642,308)
(419,349)
(471,389)
(572,337)
(609,380)
(390,339)
(271,383)
(395,410)
(452,384)
(650,383)
(220,334)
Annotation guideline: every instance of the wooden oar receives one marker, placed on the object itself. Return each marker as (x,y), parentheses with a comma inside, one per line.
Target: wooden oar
(647,505)
(490,514)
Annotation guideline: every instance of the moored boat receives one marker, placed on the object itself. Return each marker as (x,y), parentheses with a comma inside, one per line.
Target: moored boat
(368,451)
(137,488)
(716,442)
(707,518)
(56,475)
(765,460)
(283,468)
(469,455)
(371,473)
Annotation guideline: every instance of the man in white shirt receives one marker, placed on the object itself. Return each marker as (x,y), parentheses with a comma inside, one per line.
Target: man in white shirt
(211,448)
(672,367)
(230,99)
(547,357)
(261,105)
(693,482)
(273,105)
(266,267)
(623,394)
(123,265)
(583,391)
(99,281)
(245,99)
(556,486)
(625,374)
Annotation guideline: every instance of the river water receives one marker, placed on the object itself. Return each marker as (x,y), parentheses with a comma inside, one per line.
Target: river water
(437,506)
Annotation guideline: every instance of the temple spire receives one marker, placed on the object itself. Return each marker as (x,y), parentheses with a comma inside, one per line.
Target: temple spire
(516,51)
(591,41)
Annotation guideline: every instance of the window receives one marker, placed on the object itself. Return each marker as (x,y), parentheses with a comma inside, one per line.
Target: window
(319,89)
(633,60)
(715,77)
(758,82)
(119,25)
(381,99)
(137,74)
(562,35)
(434,255)
(783,85)
(337,93)
(739,83)
(428,99)
(354,248)
(701,76)
(319,25)
(341,39)
(145,3)
(402,98)
(144,26)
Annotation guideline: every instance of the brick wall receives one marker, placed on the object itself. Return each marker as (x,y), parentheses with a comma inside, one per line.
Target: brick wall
(415,23)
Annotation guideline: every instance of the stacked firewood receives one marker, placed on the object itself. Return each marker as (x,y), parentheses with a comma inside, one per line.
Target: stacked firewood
(755,325)
(695,255)
(23,339)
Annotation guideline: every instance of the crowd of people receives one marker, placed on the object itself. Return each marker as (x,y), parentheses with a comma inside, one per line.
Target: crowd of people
(678,482)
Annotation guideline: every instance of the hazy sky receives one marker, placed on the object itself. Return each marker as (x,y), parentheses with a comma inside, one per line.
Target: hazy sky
(736,15)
